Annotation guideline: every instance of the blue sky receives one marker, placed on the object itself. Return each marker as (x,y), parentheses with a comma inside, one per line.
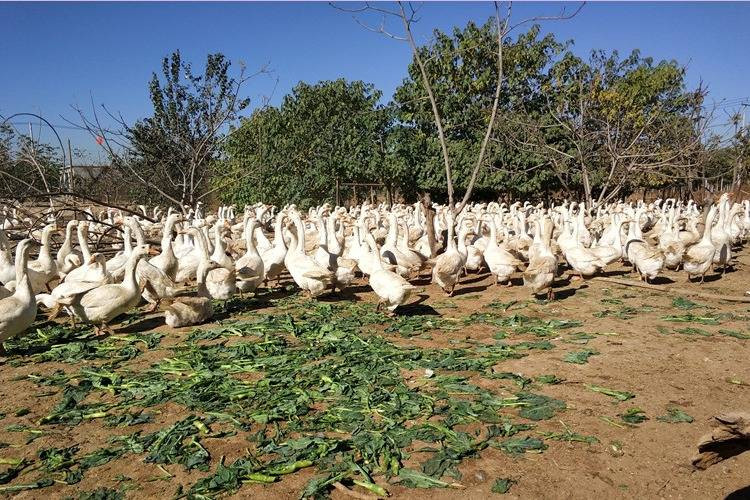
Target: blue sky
(57,54)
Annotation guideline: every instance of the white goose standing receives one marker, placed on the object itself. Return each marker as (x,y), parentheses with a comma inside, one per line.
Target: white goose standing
(103,304)
(306,272)
(18,311)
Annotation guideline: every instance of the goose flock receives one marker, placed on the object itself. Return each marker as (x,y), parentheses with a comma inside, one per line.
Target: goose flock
(203,257)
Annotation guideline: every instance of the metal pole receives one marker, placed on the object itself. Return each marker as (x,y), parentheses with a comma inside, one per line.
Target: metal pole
(69,171)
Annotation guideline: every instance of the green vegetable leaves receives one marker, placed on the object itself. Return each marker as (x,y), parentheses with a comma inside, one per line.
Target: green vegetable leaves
(674,416)
(580,357)
(683,303)
(633,416)
(538,407)
(502,486)
(618,395)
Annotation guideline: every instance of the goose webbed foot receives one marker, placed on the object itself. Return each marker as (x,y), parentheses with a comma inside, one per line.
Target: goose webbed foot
(55,312)
(153,307)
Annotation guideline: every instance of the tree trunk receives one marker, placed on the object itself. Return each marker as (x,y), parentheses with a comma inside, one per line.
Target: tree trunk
(433,103)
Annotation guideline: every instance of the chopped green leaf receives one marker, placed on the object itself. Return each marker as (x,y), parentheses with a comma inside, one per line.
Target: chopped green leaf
(633,416)
(683,303)
(735,334)
(502,486)
(619,395)
(675,415)
(580,357)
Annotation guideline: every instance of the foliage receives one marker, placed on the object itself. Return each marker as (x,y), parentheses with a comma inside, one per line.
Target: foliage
(708,319)
(569,435)
(611,123)
(618,395)
(633,416)
(177,147)
(579,357)
(674,416)
(550,379)
(502,485)
(683,303)
(322,133)
(328,395)
(735,334)
(462,70)
(596,127)
(538,406)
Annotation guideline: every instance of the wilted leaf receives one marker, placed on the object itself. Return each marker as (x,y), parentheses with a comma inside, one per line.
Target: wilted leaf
(633,416)
(674,416)
(502,486)
(580,357)
(619,395)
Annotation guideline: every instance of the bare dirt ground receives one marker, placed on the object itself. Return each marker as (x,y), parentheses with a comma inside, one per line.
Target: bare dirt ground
(689,365)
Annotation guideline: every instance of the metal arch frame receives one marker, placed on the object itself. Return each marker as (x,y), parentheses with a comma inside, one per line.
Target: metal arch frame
(66,173)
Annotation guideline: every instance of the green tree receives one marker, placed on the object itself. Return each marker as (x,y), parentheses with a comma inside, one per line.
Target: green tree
(176,149)
(321,133)
(612,124)
(462,70)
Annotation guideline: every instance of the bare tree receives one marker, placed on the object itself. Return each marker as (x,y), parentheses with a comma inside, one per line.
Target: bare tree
(175,151)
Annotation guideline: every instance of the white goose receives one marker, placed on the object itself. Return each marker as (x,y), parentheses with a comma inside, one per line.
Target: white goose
(273,258)
(542,268)
(67,248)
(306,272)
(581,259)
(250,270)
(720,236)
(220,282)
(611,253)
(154,282)
(501,262)
(187,311)
(103,304)
(18,311)
(699,257)
(448,265)
(7,267)
(80,273)
(390,250)
(166,260)
(392,289)
(647,260)
(67,292)
(43,270)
